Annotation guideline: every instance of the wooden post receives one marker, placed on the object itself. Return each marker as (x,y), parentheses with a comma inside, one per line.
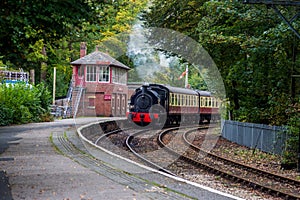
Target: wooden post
(54,85)
(32,77)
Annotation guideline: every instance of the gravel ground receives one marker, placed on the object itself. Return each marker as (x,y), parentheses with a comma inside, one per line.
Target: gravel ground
(226,149)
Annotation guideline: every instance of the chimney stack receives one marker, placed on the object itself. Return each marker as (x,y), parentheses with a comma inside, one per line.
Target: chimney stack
(82,49)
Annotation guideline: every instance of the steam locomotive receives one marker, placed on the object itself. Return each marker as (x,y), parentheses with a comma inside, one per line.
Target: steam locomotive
(162,104)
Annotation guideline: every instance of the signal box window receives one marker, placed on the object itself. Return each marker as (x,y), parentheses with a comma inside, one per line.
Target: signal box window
(104,74)
(91,101)
(91,73)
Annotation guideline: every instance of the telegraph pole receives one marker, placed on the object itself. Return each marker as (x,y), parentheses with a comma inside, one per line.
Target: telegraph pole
(54,85)
(186,76)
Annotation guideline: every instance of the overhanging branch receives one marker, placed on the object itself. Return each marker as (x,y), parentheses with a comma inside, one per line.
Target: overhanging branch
(274,4)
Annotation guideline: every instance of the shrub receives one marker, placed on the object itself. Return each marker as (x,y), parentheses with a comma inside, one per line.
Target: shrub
(293,129)
(21,103)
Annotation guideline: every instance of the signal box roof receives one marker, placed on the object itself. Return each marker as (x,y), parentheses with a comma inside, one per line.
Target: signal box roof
(99,58)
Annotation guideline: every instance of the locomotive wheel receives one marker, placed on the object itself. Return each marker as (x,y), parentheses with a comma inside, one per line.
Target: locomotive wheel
(162,116)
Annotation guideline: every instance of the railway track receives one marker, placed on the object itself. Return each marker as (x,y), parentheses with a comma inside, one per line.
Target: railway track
(132,143)
(130,146)
(265,181)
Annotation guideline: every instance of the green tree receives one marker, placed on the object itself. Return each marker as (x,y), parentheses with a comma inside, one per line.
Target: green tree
(30,24)
(251,46)
(42,35)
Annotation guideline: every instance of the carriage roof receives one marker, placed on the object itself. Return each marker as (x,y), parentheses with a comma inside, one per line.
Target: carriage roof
(204,93)
(179,90)
(172,89)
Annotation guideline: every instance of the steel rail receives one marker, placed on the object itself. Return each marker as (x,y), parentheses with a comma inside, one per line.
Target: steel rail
(238,164)
(152,164)
(226,174)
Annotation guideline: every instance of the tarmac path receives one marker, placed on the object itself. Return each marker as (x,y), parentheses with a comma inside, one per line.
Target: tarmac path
(36,171)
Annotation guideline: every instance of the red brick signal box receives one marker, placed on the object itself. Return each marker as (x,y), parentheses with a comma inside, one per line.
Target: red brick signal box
(99,85)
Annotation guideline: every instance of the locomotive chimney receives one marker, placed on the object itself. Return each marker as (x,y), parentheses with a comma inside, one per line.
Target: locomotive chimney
(143,89)
(82,49)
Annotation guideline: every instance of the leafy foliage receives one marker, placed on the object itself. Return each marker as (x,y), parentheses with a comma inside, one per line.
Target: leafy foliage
(254,50)
(41,35)
(250,45)
(293,129)
(30,22)
(21,103)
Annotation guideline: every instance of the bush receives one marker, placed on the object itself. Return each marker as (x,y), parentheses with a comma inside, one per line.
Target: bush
(21,103)
(6,115)
(293,127)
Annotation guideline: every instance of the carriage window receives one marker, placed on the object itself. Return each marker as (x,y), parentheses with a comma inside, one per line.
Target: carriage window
(175,100)
(180,100)
(193,101)
(172,99)
(205,101)
(202,103)
(188,97)
(209,102)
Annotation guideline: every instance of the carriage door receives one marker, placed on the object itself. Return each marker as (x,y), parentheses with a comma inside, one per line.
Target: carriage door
(113,104)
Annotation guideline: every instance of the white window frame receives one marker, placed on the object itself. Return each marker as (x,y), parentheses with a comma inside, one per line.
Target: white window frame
(103,74)
(119,76)
(91,73)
